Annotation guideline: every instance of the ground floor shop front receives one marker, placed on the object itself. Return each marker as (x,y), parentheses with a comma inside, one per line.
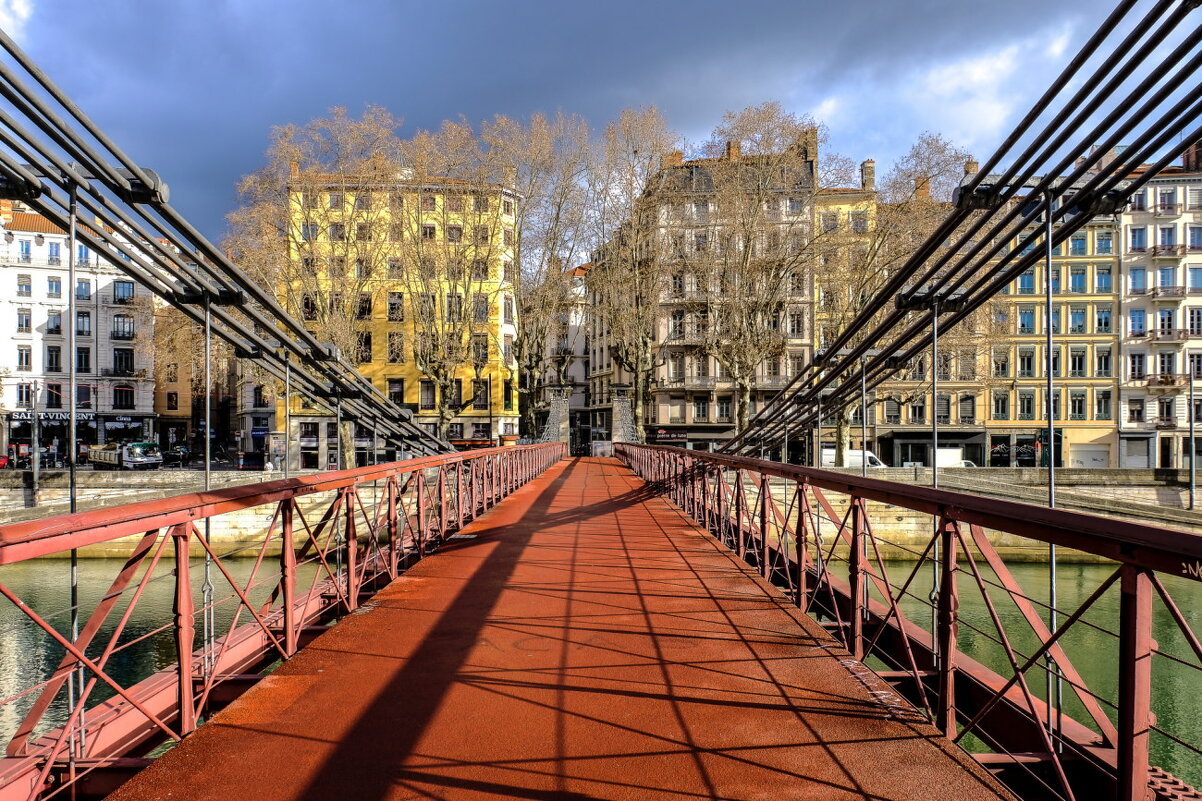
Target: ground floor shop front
(50,429)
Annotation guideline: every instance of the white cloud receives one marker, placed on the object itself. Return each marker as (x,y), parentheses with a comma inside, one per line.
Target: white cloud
(13,16)
(828,110)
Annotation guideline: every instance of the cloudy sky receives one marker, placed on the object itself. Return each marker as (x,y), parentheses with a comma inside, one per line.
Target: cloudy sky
(192,87)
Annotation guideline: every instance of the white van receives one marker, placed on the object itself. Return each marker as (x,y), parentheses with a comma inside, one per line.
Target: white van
(851,458)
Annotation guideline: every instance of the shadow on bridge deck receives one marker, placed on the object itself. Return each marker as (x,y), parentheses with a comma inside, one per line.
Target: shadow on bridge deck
(588,642)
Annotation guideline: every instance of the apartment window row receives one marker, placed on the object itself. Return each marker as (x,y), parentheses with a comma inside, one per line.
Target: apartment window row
(1080,320)
(428,201)
(1030,362)
(1165,325)
(123,397)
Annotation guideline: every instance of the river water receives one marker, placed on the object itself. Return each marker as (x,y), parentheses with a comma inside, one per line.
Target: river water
(27,655)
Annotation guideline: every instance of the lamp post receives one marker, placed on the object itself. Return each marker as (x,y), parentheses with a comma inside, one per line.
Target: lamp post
(863,404)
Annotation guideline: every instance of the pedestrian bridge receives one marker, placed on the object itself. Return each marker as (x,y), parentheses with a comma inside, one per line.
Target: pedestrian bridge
(511,623)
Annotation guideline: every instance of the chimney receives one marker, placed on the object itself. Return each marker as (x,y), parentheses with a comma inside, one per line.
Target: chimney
(294,170)
(868,175)
(733,150)
(971,167)
(922,188)
(1191,160)
(673,158)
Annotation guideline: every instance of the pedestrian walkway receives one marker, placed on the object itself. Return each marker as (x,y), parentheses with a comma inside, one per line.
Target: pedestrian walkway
(583,640)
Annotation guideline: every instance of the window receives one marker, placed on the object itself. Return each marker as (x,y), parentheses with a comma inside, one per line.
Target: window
(1166,409)
(1166,363)
(1164,320)
(1056,279)
(396,390)
(426,401)
(508,274)
(1102,320)
(429,231)
(82,255)
(172,401)
(480,348)
(480,392)
(363,311)
(1194,235)
(1138,323)
(24,321)
(1167,238)
(396,307)
(54,255)
(1076,320)
(829,221)
(363,352)
(1055,321)
(1026,319)
(508,348)
(24,286)
(258,397)
(454,308)
(481,430)
(337,232)
(83,323)
(1076,280)
(859,221)
(54,396)
(24,396)
(1001,364)
(54,359)
(24,358)
(123,397)
(967,408)
(1026,363)
(123,326)
(1139,240)
(918,410)
(1135,410)
(509,309)
(336,201)
(796,364)
(454,233)
(123,291)
(1076,404)
(1055,354)
(1137,364)
(396,347)
(508,237)
(480,307)
(1001,406)
(1026,404)
(1102,363)
(1101,408)
(54,287)
(1104,243)
(506,206)
(1166,277)
(1102,282)
(1076,245)
(1026,283)
(1076,362)
(1139,280)
(1195,322)
(123,361)
(83,360)
(83,289)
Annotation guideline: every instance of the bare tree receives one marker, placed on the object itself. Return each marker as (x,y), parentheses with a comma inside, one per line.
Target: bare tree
(629,275)
(311,227)
(548,159)
(743,236)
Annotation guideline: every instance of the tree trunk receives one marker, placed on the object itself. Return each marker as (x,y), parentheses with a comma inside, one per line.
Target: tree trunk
(742,404)
(842,438)
(346,444)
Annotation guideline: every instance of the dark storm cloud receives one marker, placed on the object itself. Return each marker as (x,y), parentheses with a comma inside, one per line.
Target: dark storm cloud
(192,88)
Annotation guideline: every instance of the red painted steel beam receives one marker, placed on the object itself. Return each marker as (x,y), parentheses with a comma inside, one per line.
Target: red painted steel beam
(25,540)
(1165,550)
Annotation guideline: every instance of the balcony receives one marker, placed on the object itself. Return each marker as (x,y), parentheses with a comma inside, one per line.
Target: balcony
(1165,423)
(1168,293)
(308,442)
(124,336)
(1169,335)
(1194,247)
(676,420)
(122,372)
(722,418)
(1167,251)
(772,381)
(1166,209)
(1159,383)
(1134,248)
(1025,416)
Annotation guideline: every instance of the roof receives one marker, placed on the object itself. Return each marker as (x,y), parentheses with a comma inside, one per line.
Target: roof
(33,224)
(583,269)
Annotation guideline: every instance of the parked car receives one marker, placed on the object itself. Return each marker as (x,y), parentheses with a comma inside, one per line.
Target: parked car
(179,455)
(5,462)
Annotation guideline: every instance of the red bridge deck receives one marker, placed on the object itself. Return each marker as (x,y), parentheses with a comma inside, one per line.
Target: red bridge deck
(587,642)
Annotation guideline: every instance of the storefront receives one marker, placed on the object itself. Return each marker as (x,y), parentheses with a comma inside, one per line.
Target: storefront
(52,433)
(126,428)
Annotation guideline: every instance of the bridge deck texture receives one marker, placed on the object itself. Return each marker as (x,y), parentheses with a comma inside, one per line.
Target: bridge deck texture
(589,642)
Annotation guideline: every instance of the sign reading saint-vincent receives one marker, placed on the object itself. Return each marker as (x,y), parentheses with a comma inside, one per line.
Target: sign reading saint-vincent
(64,416)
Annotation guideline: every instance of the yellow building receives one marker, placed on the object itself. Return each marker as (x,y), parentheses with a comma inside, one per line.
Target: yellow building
(416,278)
(1084,357)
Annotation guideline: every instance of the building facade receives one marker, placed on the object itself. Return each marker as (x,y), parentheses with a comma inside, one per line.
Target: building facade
(114,354)
(432,266)
(1161,237)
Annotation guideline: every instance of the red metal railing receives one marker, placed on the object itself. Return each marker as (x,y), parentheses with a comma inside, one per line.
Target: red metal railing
(810,531)
(361,528)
